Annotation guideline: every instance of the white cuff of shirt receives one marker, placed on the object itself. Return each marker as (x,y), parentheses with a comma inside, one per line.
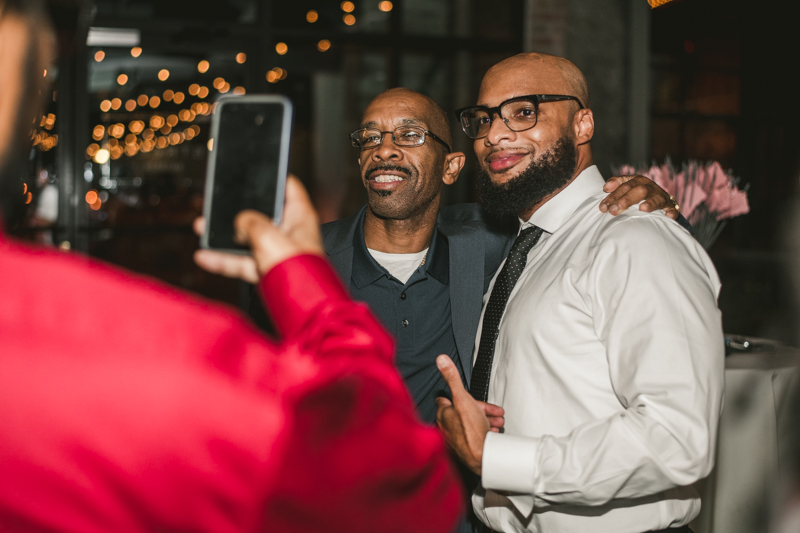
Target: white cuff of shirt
(509,463)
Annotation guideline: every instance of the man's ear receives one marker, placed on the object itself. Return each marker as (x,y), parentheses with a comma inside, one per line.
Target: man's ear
(584,126)
(453,163)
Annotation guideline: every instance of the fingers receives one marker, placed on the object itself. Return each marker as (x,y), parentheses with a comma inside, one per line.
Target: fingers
(199,226)
(612,184)
(490,409)
(451,377)
(229,265)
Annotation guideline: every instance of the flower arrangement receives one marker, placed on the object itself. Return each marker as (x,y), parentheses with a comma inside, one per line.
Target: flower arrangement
(708,196)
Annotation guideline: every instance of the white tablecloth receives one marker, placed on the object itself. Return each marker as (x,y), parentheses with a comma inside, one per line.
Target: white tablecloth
(737,495)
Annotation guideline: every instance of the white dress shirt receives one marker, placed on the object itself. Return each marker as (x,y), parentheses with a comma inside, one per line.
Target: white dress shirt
(609,364)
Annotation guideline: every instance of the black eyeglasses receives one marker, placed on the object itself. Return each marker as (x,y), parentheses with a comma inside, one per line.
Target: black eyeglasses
(367,138)
(519,114)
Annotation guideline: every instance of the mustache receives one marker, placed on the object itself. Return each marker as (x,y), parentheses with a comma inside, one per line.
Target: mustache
(395,168)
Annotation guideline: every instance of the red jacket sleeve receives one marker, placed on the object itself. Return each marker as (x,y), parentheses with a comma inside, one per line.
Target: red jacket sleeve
(355,457)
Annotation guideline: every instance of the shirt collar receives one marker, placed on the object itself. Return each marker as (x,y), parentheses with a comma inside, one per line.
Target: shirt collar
(366,270)
(557,210)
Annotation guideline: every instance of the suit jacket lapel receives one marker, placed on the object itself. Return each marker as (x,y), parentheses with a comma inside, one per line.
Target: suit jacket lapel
(466,290)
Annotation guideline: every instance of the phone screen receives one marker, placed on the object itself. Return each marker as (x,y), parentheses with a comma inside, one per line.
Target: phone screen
(248,165)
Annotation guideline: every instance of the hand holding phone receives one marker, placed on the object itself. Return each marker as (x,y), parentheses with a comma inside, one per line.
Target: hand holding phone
(247,166)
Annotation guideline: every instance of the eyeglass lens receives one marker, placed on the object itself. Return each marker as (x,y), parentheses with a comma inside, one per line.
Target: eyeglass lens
(520,115)
(402,136)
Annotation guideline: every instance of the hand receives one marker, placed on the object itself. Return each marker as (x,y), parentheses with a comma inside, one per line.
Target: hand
(463,422)
(629,190)
(298,234)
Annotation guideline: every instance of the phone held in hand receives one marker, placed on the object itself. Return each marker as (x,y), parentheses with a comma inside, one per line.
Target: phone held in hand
(248,164)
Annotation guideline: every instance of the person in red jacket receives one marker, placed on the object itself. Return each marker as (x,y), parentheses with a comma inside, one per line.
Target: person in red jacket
(128,405)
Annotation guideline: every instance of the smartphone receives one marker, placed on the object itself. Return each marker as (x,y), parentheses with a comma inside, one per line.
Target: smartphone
(247,166)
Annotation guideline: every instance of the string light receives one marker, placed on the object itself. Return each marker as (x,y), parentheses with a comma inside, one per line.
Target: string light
(142,100)
(163,74)
(324,45)
(239,91)
(122,79)
(178,98)
(136,51)
(203,92)
(155,101)
(194,89)
(348,7)
(116,103)
(281,48)
(168,94)
(99,56)
(241,57)
(312,16)
(349,19)
(385,6)
(130,105)
(105,106)
(218,83)
(203,66)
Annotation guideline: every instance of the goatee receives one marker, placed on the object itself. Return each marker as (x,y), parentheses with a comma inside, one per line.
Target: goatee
(552,171)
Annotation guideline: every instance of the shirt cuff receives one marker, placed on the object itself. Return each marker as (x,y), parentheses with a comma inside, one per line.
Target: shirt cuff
(509,465)
(293,289)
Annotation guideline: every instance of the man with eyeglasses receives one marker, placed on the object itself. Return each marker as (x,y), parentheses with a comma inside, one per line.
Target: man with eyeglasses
(600,337)
(423,270)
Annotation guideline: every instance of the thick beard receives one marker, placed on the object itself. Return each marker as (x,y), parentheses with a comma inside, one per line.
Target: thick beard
(552,171)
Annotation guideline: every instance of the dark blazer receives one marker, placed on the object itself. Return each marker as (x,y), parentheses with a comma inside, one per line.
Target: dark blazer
(477,247)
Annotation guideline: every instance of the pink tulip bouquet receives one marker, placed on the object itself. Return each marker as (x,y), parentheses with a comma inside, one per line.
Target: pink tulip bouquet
(708,195)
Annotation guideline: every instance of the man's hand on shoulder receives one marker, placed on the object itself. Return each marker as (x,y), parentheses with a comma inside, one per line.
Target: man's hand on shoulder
(626,191)
(298,234)
(464,422)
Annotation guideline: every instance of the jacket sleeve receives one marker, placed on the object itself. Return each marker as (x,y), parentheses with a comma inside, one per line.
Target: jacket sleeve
(354,456)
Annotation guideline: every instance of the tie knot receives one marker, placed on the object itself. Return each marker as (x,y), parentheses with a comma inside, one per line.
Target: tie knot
(526,239)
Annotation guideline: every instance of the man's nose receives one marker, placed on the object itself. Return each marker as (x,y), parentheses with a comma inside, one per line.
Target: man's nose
(498,131)
(387,149)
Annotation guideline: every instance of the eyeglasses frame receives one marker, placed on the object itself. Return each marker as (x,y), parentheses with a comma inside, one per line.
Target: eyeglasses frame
(536,98)
(426,132)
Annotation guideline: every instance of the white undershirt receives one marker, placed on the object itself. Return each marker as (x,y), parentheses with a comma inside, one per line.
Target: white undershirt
(400,266)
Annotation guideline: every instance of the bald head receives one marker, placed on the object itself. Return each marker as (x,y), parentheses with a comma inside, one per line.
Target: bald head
(433,115)
(549,74)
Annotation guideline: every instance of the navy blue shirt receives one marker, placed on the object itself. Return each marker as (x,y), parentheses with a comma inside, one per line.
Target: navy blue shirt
(416,313)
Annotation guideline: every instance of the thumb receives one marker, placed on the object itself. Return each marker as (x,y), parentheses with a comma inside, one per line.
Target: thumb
(451,376)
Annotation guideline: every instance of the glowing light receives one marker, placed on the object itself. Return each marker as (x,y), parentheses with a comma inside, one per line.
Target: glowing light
(203,92)
(98,132)
(349,19)
(348,7)
(148,134)
(210,145)
(175,139)
(130,138)
(168,94)
(189,133)
(225,88)
(281,48)
(656,3)
(96,204)
(130,105)
(116,103)
(122,79)
(117,130)
(272,77)
(163,74)
(162,143)
(241,57)
(99,56)
(105,106)
(324,45)
(92,150)
(156,122)
(28,198)
(25,186)
(239,91)
(112,143)
(219,82)
(148,145)
(101,156)
(142,100)
(91,196)
(131,149)
(137,126)
(45,73)
(166,129)
(203,66)
(116,153)
(172,120)
(194,89)
(179,97)
(385,6)
(155,101)
(312,16)
(136,51)
(195,129)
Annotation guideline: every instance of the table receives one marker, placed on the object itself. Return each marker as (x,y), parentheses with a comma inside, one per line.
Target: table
(738,493)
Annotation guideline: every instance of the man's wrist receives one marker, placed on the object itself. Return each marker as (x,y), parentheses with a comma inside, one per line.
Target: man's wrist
(509,463)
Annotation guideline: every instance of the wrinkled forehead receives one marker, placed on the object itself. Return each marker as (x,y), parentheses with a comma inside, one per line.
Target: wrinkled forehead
(521,78)
(390,112)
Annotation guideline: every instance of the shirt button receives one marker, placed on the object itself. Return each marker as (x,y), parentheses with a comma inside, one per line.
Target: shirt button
(403,296)
(405,323)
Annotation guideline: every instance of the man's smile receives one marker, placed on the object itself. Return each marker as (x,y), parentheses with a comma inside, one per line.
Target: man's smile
(503,160)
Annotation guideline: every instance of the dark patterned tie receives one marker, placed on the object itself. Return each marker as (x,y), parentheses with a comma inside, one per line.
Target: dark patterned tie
(513,267)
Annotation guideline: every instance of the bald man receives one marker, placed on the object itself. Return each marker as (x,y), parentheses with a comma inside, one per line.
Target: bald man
(611,410)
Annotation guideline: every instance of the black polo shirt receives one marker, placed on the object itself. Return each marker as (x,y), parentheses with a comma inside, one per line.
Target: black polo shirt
(416,313)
